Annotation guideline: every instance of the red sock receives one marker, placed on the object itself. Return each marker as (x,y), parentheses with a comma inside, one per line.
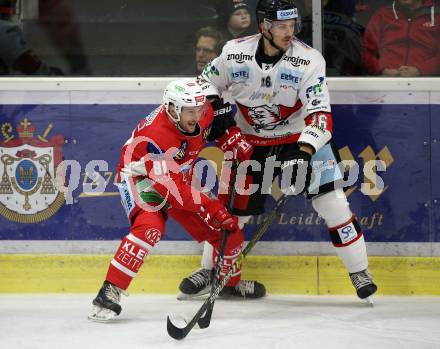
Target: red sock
(127,260)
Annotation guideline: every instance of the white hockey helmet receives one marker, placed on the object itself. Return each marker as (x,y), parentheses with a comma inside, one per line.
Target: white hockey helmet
(209,90)
(183,93)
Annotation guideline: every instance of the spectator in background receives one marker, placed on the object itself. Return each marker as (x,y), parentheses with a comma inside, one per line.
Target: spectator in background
(236,20)
(16,57)
(341,34)
(403,39)
(59,21)
(209,44)
(364,9)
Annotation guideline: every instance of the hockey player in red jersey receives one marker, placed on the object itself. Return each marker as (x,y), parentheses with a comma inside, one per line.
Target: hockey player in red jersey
(155,181)
(279,86)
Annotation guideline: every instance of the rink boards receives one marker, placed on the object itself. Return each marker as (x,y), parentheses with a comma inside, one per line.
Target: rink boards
(87,121)
(309,275)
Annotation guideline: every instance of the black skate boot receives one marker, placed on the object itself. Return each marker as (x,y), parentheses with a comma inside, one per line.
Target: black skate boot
(245,289)
(197,284)
(363,282)
(106,304)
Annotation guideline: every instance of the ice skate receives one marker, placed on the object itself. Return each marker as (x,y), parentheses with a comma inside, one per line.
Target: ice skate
(195,285)
(365,287)
(244,289)
(106,304)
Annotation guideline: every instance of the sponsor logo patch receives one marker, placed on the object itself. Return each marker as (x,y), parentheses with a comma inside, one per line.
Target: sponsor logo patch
(240,75)
(206,132)
(287,14)
(316,89)
(181,153)
(199,99)
(347,233)
(153,236)
(239,57)
(297,61)
(289,77)
(126,197)
(210,70)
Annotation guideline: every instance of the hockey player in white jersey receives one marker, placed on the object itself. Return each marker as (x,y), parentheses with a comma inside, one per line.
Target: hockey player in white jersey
(279,86)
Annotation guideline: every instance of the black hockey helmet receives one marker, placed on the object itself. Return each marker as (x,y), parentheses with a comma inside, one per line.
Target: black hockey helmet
(276,10)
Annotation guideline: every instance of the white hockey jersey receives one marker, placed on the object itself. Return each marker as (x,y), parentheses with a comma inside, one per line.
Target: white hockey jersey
(274,101)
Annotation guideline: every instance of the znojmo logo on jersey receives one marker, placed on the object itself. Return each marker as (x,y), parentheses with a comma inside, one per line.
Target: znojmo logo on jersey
(287,14)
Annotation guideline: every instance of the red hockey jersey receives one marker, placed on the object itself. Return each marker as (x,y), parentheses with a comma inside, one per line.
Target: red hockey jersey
(160,158)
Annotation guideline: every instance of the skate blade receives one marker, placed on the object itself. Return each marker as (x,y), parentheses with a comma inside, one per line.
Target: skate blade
(101,314)
(184,296)
(369,301)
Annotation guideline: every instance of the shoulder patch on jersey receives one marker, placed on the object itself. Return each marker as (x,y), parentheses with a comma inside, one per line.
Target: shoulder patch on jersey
(210,70)
(148,120)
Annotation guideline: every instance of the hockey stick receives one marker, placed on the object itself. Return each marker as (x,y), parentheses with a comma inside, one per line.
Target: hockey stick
(206,320)
(180,333)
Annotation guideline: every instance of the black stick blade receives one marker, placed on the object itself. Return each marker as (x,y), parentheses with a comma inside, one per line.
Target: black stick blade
(176,332)
(205,320)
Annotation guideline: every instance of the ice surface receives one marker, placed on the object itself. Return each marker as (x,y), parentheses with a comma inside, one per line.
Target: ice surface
(321,322)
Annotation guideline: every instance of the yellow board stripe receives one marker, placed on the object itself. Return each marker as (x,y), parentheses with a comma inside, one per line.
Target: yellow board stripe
(162,274)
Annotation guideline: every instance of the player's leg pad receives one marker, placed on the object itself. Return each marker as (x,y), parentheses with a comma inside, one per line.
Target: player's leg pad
(363,282)
(244,289)
(197,284)
(106,304)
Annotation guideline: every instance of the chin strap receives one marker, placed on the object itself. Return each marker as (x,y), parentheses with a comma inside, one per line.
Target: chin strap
(186,133)
(270,39)
(174,120)
(179,127)
(272,42)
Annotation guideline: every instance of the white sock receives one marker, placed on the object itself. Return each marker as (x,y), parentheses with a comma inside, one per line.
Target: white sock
(207,262)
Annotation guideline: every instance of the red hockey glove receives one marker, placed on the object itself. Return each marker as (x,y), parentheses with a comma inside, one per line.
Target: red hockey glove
(234,141)
(216,216)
